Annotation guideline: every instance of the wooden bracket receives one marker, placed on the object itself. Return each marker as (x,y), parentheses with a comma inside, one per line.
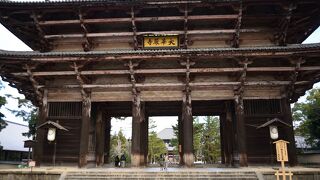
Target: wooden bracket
(185,27)
(294,76)
(35,84)
(45,45)
(285,24)
(134,29)
(236,36)
(81,80)
(87,45)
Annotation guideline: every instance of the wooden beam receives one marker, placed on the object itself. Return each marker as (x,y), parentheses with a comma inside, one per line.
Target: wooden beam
(169,71)
(176,85)
(190,32)
(139,19)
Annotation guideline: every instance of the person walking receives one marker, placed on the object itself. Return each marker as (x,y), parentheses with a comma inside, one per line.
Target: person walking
(161,161)
(166,161)
(116,161)
(123,160)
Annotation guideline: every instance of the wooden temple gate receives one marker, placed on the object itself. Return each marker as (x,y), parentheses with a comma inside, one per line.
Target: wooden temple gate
(238,59)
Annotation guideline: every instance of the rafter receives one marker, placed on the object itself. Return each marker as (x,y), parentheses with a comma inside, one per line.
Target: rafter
(87,45)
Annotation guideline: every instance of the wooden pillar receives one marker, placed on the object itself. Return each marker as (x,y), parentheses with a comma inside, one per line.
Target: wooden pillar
(100,137)
(107,122)
(187,119)
(241,131)
(85,126)
(137,156)
(228,134)
(144,141)
(288,132)
(180,140)
(40,134)
(222,119)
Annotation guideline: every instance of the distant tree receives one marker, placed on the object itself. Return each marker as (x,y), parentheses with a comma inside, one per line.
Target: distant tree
(174,142)
(197,137)
(307,116)
(3,124)
(28,112)
(211,139)
(156,147)
(118,145)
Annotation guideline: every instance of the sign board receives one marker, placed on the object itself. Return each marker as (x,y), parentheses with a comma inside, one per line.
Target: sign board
(161,41)
(282,150)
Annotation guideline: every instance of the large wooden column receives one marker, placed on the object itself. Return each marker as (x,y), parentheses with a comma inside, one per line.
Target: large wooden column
(107,122)
(144,140)
(223,143)
(180,140)
(85,126)
(100,137)
(187,119)
(241,131)
(228,134)
(40,134)
(288,131)
(137,155)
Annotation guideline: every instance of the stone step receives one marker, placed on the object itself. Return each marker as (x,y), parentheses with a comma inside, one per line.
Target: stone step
(166,178)
(97,175)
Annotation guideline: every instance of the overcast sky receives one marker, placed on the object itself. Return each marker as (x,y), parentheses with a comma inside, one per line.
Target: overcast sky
(11,43)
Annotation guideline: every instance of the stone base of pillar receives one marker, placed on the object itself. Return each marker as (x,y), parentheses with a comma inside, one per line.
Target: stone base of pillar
(188,159)
(137,160)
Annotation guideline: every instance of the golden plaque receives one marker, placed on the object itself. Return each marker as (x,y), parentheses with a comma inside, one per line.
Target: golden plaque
(161,41)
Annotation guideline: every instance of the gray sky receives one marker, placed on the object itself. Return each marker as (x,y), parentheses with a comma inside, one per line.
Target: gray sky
(9,42)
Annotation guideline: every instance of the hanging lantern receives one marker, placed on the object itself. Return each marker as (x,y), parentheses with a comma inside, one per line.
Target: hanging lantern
(274,132)
(51,134)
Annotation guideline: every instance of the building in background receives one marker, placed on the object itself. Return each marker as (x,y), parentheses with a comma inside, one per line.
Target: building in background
(167,135)
(12,143)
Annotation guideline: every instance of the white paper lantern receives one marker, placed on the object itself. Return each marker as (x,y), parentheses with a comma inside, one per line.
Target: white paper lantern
(51,134)
(274,132)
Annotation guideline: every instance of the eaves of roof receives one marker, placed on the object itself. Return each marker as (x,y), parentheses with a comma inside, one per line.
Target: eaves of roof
(34,54)
(91,2)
